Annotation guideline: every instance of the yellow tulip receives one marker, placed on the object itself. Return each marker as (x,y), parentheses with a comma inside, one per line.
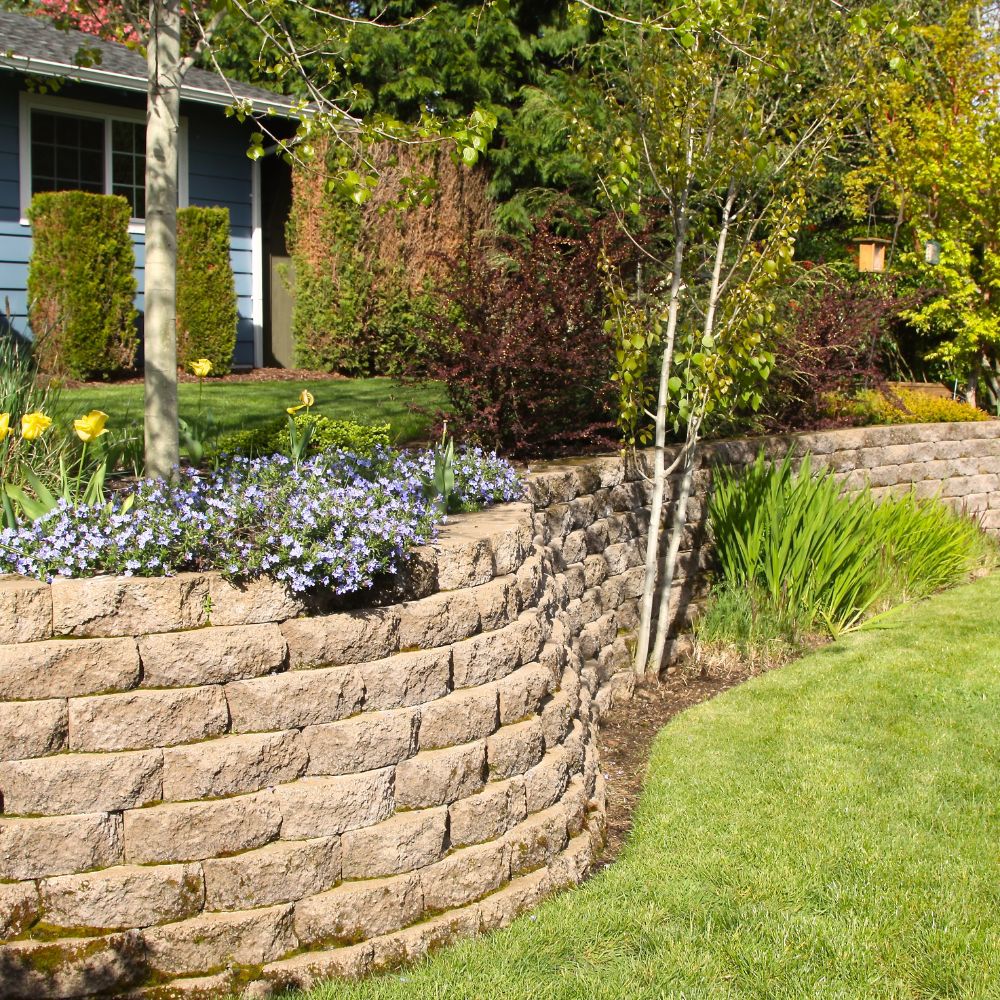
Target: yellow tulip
(91,426)
(306,398)
(202,367)
(5,428)
(34,425)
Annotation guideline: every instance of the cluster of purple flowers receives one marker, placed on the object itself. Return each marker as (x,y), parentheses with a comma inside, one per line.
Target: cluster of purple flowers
(336,521)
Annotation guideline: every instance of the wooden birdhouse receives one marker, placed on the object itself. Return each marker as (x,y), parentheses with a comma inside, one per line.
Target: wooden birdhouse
(871,254)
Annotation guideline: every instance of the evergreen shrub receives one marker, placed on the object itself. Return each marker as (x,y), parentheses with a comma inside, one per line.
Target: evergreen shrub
(81,285)
(206,290)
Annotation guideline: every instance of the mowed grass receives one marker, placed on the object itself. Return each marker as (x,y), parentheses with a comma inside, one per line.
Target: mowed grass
(246,405)
(829,830)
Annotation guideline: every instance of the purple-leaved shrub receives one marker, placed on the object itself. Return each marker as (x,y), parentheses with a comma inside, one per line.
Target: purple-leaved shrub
(336,522)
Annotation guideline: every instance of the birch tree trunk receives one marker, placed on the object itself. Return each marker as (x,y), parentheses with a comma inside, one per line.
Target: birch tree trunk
(690,451)
(164,68)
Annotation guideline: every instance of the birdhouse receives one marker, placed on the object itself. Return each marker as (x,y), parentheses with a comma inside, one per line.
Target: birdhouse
(871,254)
(932,252)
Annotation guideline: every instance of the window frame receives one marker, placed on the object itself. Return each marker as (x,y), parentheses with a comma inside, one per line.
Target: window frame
(106,113)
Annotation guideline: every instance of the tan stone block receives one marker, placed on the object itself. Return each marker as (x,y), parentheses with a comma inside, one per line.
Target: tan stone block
(458,718)
(557,718)
(406,679)
(545,783)
(438,620)
(213,655)
(232,765)
(25,610)
(464,876)
(19,908)
(192,831)
(123,897)
(349,637)
(532,636)
(498,602)
(137,720)
(355,911)
(81,783)
(294,699)
(366,742)
(72,967)
(511,530)
(32,728)
(515,748)
(407,946)
(211,940)
(250,602)
(575,581)
(281,872)
(324,807)
(487,657)
(465,553)
(525,893)
(61,668)
(117,605)
(529,581)
(437,777)
(522,692)
(407,841)
(490,814)
(221,984)
(305,971)
(574,547)
(537,840)
(571,867)
(34,848)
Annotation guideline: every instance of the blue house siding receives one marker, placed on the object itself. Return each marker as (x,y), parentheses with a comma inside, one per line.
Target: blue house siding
(219,173)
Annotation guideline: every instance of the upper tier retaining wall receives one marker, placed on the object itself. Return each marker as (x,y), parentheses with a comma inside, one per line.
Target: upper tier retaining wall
(202,785)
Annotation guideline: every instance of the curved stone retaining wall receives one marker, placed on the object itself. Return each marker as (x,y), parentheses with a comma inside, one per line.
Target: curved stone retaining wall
(202,786)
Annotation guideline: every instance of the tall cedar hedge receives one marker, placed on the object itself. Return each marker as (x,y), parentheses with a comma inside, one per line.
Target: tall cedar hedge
(206,290)
(81,285)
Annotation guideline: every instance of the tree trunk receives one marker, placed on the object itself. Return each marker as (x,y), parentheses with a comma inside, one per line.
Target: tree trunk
(160,333)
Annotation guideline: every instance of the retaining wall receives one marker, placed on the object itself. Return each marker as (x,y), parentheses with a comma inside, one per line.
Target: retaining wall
(205,786)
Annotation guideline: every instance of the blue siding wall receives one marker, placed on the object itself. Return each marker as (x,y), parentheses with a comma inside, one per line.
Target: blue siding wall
(219,173)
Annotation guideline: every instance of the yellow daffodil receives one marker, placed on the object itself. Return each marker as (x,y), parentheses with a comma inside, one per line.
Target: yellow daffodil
(307,400)
(34,425)
(5,428)
(91,427)
(202,367)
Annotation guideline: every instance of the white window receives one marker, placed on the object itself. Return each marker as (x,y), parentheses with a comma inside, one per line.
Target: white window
(77,146)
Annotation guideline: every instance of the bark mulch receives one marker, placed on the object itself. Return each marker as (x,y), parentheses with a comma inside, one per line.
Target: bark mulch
(254,375)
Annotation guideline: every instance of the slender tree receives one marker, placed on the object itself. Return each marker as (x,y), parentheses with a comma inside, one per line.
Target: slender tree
(722,117)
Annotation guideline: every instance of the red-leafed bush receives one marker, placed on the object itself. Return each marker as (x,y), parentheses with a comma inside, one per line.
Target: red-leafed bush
(527,361)
(836,341)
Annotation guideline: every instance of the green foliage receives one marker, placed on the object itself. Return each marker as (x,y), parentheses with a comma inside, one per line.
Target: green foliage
(326,435)
(206,290)
(904,406)
(80,283)
(817,557)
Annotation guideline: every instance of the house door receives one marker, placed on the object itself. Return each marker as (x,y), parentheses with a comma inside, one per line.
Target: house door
(276,202)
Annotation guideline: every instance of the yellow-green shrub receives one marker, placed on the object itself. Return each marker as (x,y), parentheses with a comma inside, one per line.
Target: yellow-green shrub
(81,284)
(206,289)
(905,406)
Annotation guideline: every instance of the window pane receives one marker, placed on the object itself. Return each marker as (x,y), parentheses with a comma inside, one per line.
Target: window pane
(66,153)
(121,168)
(128,146)
(122,137)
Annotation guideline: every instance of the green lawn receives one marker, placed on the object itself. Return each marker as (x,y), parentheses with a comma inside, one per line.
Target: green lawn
(239,405)
(830,830)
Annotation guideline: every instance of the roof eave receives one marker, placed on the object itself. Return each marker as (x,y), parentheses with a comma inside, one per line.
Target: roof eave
(138,84)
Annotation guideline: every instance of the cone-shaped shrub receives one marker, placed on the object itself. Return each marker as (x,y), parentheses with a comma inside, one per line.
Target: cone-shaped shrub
(81,285)
(206,289)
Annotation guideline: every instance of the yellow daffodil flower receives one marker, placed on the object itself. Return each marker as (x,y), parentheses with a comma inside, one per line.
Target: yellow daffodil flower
(202,367)
(34,425)
(307,400)
(5,428)
(91,427)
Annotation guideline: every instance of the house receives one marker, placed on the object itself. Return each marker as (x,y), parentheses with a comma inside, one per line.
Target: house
(72,123)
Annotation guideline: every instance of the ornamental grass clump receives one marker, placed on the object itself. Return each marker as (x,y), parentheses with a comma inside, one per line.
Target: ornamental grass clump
(337,521)
(808,557)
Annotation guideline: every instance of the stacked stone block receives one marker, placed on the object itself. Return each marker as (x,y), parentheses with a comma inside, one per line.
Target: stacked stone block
(204,787)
